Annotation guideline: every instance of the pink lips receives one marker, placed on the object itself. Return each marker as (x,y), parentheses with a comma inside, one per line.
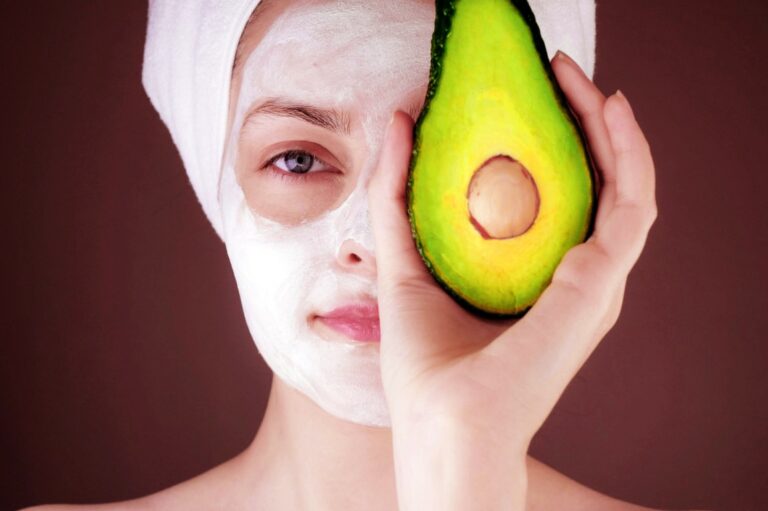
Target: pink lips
(359,321)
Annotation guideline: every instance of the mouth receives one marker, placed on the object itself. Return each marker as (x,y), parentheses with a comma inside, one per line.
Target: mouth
(357,321)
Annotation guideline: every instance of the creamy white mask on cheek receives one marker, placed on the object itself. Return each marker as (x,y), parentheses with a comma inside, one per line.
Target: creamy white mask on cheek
(367,58)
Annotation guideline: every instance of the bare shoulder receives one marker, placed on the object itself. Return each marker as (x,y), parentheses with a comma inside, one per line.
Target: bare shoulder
(176,497)
(203,492)
(128,505)
(550,490)
(168,499)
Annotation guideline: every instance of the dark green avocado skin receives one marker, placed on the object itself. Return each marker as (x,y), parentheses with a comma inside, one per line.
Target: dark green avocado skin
(444,13)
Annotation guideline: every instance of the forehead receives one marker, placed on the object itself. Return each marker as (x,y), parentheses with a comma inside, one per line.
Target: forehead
(308,45)
(267,11)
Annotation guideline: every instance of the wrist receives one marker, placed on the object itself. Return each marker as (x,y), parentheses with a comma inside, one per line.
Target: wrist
(446,464)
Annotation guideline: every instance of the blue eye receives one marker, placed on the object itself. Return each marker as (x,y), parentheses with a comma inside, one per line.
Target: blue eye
(295,161)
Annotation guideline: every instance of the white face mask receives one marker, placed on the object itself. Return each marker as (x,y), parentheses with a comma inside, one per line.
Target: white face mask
(374,59)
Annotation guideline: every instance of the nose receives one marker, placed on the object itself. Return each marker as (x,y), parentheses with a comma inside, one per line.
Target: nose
(357,259)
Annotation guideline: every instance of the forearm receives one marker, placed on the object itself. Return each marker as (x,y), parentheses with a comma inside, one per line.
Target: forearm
(446,466)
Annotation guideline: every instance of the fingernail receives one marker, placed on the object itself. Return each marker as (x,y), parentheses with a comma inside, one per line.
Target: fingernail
(625,101)
(561,55)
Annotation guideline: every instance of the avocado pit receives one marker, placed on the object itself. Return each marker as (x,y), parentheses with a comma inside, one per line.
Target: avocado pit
(503,198)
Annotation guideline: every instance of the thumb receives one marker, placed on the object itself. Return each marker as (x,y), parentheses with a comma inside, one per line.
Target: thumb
(398,263)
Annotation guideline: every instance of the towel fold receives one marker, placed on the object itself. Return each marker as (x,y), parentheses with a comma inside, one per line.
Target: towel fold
(189,52)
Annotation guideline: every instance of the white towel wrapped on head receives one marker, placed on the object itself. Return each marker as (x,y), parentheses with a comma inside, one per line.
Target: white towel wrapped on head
(188,57)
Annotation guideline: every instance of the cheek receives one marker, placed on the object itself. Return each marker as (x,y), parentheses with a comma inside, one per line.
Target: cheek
(275,275)
(291,201)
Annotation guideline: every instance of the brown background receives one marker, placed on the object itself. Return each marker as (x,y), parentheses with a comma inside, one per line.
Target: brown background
(126,365)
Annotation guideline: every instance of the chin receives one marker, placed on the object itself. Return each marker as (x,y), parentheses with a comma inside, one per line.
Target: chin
(342,378)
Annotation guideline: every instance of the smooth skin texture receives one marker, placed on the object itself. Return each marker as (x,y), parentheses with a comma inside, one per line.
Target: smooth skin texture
(453,365)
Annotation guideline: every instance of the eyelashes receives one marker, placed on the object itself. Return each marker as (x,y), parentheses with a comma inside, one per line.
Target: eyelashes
(297,165)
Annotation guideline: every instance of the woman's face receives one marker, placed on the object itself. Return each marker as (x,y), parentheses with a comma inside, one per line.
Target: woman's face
(314,89)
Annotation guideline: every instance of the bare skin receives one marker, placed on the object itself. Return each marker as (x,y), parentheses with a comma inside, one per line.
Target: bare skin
(291,466)
(303,458)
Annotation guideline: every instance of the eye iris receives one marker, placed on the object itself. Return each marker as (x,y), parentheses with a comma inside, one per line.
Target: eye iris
(298,162)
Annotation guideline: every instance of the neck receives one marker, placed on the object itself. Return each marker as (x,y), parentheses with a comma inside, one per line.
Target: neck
(321,461)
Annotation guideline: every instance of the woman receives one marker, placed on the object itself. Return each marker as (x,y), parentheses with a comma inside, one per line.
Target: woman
(387,394)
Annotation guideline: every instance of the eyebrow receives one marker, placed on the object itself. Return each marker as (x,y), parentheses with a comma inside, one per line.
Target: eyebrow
(330,119)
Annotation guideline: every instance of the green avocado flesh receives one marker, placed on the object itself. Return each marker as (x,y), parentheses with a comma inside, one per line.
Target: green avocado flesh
(492,93)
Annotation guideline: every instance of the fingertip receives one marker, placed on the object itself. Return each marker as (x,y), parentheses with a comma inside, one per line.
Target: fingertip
(401,128)
(388,143)
(562,60)
(561,56)
(614,112)
(396,153)
(618,117)
(397,133)
(617,108)
(558,62)
(386,189)
(611,110)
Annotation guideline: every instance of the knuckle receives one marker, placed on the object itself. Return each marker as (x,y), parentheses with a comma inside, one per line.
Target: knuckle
(613,314)
(639,214)
(614,310)
(583,268)
(642,143)
(593,110)
(609,321)
(647,213)
(653,212)
(408,284)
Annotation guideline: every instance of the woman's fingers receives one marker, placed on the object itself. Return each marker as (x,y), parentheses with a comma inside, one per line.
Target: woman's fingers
(587,102)
(635,188)
(556,336)
(633,152)
(397,262)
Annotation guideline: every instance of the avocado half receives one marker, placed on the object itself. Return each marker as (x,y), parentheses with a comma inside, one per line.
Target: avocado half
(493,101)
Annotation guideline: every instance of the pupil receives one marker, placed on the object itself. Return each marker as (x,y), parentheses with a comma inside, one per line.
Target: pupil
(299,162)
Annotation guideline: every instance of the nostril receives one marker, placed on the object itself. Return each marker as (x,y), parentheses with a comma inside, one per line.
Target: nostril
(354,257)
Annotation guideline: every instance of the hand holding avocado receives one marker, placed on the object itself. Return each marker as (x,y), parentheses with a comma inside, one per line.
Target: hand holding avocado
(467,393)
